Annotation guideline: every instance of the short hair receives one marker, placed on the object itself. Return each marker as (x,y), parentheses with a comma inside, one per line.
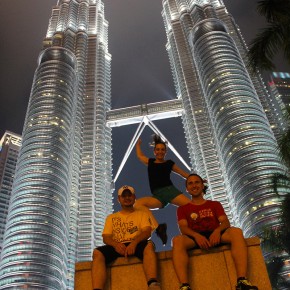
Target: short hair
(157,140)
(202,180)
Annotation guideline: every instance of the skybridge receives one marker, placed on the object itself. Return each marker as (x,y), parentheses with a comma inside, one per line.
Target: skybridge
(144,115)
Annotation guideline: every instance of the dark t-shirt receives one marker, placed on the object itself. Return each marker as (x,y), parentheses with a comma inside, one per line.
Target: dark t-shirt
(159,173)
(203,217)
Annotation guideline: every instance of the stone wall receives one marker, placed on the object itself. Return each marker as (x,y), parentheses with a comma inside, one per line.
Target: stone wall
(209,270)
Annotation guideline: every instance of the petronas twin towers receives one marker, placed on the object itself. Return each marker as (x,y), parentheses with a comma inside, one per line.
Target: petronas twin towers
(62,189)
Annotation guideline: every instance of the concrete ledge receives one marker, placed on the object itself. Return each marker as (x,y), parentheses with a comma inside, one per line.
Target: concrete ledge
(209,270)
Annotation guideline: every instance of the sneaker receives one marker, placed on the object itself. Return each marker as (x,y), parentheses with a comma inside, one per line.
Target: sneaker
(161,233)
(154,286)
(245,285)
(185,288)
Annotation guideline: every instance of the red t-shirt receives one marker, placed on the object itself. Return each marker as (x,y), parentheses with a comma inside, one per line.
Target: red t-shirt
(201,218)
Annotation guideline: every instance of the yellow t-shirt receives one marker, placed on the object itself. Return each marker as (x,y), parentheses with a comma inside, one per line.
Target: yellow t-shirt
(124,227)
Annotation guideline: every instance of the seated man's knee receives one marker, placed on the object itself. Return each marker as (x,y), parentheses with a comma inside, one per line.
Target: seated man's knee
(235,232)
(150,247)
(97,255)
(178,241)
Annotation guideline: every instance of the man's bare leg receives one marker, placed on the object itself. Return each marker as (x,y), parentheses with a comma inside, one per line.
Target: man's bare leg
(150,262)
(235,237)
(98,270)
(180,256)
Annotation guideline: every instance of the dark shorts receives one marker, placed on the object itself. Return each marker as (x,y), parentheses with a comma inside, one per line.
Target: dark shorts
(207,235)
(111,255)
(166,194)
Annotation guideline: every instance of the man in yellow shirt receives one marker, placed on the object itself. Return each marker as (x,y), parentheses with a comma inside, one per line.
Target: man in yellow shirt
(126,233)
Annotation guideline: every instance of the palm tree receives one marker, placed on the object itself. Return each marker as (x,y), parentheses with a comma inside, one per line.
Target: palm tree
(283,181)
(274,267)
(284,140)
(277,239)
(273,38)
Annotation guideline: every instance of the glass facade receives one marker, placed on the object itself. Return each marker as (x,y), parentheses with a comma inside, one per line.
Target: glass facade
(228,118)
(10,144)
(62,188)
(280,83)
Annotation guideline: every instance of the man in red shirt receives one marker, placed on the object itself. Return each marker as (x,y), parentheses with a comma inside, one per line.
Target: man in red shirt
(204,224)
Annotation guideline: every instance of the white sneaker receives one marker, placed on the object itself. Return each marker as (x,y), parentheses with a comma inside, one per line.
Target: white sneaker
(154,286)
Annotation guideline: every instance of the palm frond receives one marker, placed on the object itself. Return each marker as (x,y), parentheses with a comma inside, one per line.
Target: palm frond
(278,238)
(274,38)
(280,180)
(274,267)
(284,140)
(284,145)
(286,114)
(272,240)
(283,283)
(286,41)
(264,46)
(285,216)
(274,10)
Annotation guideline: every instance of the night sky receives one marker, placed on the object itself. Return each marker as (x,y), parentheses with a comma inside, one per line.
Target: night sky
(140,72)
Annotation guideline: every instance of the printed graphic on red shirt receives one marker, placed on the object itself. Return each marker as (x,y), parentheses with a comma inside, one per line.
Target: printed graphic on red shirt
(203,220)
(203,217)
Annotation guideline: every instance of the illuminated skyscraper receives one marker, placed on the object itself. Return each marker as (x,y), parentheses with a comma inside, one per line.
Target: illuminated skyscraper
(279,90)
(9,148)
(228,117)
(62,189)
(62,186)
(280,82)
